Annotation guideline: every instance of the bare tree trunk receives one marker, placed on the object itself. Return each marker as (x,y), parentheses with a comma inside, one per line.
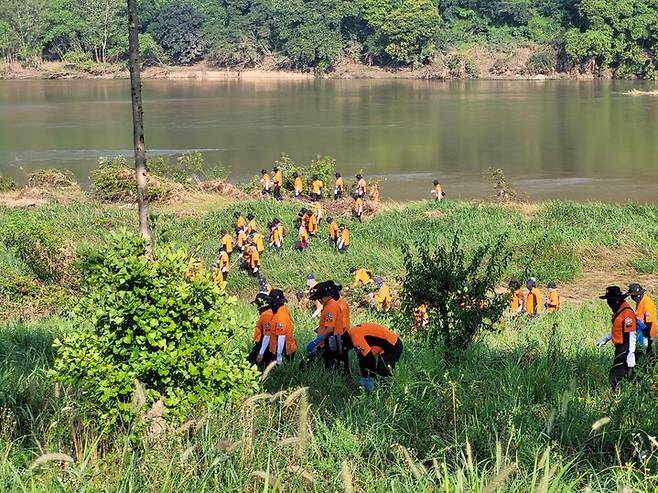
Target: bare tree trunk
(138,122)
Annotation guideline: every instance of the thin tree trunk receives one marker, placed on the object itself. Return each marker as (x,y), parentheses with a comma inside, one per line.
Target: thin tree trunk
(138,123)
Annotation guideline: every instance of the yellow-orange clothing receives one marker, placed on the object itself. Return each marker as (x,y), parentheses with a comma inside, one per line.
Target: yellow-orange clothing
(303,235)
(358,206)
(265,180)
(421,316)
(623,320)
(516,301)
(646,312)
(242,237)
(263,326)
(218,277)
(317,186)
(282,230)
(383,297)
(366,337)
(340,184)
(259,240)
(345,236)
(227,242)
(224,263)
(317,208)
(361,186)
(313,224)
(361,278)
(533,302)
(278,178)
(438,191)
(253,257)
(305,220)
(299,185)
(553,302)
(240,222)
(194,269)
(333,231)
(282,326)
(252,226)
(275,237)
(346,322)
(334,320)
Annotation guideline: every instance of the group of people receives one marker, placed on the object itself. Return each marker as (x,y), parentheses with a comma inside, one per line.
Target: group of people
(531,303)
(272,185)
(382,297)
(378,349)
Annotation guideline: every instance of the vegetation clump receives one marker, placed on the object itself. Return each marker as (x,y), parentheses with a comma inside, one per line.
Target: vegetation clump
(53,179)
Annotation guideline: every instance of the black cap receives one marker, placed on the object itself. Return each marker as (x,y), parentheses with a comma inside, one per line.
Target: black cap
(337,175)
(277,297)
(326,288)
(613,293)
(359,176)
(330,219)
(263,171)
(514,284)
(552,285)
(261,300)
(636,290)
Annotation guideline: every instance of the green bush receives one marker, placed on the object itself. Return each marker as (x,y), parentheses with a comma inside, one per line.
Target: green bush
(150,51)
(458,284)
(462,66)
(7,184)
(541,62)
(149,323)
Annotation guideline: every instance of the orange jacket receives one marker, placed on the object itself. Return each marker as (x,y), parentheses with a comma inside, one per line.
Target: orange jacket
(278,178)
(240,222)
(317,186)
(299,185)
(333,231)
(266,182)
(383,297)
(516,301)
(553,301)
(224,262)
(313,224)
(252,226)
(623,320)
(263,326)
(370,337)
(361,185)
(646,311)
(259,240)
(282,326)
(533,302)
(303,235)
(227,241)
(340,184)
(361,278)
(345,235)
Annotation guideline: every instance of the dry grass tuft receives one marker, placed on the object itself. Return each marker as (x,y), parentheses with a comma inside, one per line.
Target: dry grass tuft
(54,457)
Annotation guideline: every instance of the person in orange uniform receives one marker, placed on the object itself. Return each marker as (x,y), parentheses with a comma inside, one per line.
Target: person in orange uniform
(333,232)
(303,239)
(297,184)
(259,241)
(553,300)
(334,323)
(222,268)
(533,298)
(227,242)
(240,221)
(421,317)
(252,258)
(437,191)
(277,182)
(316,188)
(266,182)
(276,238)
(313,224)
(361,186)
(305,217)
(517,300)
(339,187)
(241,238)
(282,341)
(645,312)
(377,348)
(383,297)
(262,330)
(357,208)
(317,210)
(362,277)
(251,225)
(343,239)
(622,335)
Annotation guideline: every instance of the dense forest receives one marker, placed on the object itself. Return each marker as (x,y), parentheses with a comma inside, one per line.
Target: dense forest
(616,38)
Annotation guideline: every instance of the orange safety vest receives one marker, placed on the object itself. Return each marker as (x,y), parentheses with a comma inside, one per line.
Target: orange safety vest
(282,326)
(646,311)
(369,337)
(533,302)
(623,320)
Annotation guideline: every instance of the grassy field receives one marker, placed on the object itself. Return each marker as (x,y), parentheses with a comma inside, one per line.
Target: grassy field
(527,408)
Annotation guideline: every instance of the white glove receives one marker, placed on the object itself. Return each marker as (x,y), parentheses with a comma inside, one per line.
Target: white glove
(603,341)
(630,360)
(279,360)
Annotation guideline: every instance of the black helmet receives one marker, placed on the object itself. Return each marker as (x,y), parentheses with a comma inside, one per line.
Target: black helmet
(263,171)
(261,301)
(277,297)
(514,284)
(236,214)
(436,182)
(552,285)
(337,175)
(326,288)
(251,216)
(276,168)
(613,293)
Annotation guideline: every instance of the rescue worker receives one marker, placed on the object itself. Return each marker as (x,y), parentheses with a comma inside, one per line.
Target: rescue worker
(645,312)
(227,242)
(298,184)
(333,232)
(622,335)
(306,217)
(311,282)
(553,300)
(383,297)
(317,210)
(277,182)
(303,239)
(251,225)
(316,188)
(362,277)
(282,341)
(343,239)
(421,317)
(239,220)
(533,298)
(339,187)
(437,191)
(334,323)
(262,330)
(222,268)
(252,258)
(357,208)
(312,224)
(281,228)
(517,301)
(361,186)
(259,241)
(276,239)
(195,269)
(265,182)
(241,238)
(377,348)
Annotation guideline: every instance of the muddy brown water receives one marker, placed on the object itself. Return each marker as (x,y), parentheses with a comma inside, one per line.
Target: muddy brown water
(553,139)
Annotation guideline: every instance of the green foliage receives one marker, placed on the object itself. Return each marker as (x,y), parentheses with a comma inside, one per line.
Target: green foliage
(7,184)
(461,66)
(541,62)
(458,285)
(150,51)
(149,323)
(178,30)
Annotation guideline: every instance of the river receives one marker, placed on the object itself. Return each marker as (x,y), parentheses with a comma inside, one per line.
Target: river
(553,139)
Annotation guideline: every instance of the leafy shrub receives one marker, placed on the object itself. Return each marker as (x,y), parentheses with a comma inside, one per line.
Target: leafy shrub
(53,179)
(178,31)
(151,324)
(150,51)
(458,286)
(7,184)
(461,66)
(188,167)
(38,243)
(541,62)
(645,265)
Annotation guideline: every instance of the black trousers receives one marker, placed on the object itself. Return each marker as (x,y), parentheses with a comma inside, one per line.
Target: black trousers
(267,357)
(619,370)
(334,360)
(383,364)
(277,192)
